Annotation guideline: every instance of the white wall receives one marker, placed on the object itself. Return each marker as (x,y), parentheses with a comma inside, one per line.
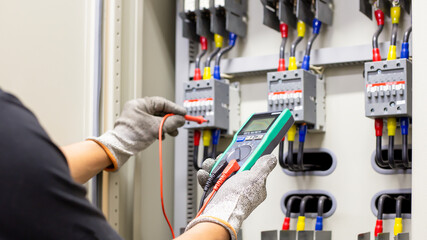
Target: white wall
(45,59)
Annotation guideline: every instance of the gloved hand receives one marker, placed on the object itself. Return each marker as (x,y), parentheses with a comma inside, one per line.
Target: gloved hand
(138,127)
(237,197)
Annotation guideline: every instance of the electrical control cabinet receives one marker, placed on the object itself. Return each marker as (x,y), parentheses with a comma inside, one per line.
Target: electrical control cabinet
(210,99)
(295,90)
(388,88)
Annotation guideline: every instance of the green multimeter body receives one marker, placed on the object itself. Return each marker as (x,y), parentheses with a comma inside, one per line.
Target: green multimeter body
(261,133)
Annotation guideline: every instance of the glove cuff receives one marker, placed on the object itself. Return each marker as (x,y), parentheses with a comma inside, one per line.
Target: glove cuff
(114,148)
(225,224)
(114,166)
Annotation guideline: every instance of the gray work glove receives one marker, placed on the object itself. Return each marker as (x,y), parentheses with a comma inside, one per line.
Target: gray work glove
(138,127)
(237,197)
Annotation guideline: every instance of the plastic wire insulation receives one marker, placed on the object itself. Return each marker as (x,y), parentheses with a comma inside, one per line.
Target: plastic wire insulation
(321,205)
(310,44)
(210,182)
(282,48)
(161,172)
(319,224)
(290,203)
(407,34)
(404,127)
(294,45)
(301,28)
(393,39)
(231,42)
(376,35)
(398,226)
(399,203)
(198,58)
(281,157)
(216,133)
(379,16)
(219,40)
(303,204)
(378,154)
(381,202)
(210,57)
(404,52)
(395,14)
(195,158)
(231,168)
(300,155)
(290,157)
(391,161)
(378,227)
(301,223)
(286,224)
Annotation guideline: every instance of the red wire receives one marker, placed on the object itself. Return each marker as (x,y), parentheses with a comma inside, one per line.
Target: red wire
(206,203)
(161,171)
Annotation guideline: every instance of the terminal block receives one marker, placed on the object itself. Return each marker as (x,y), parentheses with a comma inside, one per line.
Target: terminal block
(388,88)
(210,99)
(295,90)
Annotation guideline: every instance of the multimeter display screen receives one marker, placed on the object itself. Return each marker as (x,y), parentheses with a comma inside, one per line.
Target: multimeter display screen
(261,124)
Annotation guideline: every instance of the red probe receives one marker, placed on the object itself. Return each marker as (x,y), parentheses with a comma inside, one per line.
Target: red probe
(197,119)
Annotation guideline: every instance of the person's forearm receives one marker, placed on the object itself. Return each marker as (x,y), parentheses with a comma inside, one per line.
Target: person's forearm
(205,231)
(85,160)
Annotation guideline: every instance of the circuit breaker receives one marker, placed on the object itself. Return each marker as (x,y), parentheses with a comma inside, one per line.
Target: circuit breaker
(295,90)
(210,99)
(388,88)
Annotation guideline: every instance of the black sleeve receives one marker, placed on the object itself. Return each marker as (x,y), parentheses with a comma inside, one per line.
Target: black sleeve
(38,197)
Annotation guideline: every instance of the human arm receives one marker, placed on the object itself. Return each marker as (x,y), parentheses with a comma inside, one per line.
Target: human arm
(85,160)
(135,129)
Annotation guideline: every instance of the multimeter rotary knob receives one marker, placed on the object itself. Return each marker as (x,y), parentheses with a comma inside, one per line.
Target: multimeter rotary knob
(239,153)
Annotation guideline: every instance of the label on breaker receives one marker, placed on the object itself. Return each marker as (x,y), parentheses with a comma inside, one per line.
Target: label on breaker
(385,86)
(204,4)
(189,5)
(198,102)
(285,94)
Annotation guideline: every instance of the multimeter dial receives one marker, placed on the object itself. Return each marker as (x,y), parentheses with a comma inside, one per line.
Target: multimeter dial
(239,153)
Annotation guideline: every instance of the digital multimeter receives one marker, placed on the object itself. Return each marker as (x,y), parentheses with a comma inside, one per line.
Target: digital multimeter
(261,133)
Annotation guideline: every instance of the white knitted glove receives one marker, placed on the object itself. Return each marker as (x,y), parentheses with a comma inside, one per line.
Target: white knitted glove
(237,197)
(138,127)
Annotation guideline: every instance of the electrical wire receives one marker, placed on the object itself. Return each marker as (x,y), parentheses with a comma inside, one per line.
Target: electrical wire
(215,140)
(316,30)
(231,168)
(395,16)
(301,218)
(211,180)
(284,33)
(300,155)
(161,172)
(204,48)
(379,16)
(231,42)
(404,127)
(379,223)
(207,137)
(391,127)
(218,39)
(404,52)
(188,118)
(398,226)
(286,223)
(301,33)
(282,158)
(379,123)
(291,138)
(196,142)
(320,209)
